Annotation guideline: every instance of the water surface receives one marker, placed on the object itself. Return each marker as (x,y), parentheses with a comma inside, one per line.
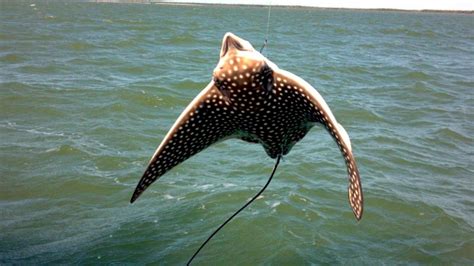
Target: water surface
(89,90)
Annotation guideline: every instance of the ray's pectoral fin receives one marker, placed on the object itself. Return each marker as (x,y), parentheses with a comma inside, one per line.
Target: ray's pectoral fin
(354,189)
(322,114)
(206,120)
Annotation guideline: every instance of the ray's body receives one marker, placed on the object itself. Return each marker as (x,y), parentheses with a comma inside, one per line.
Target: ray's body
(252,99)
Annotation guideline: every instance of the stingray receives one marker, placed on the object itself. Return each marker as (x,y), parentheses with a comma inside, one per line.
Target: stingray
(251,99)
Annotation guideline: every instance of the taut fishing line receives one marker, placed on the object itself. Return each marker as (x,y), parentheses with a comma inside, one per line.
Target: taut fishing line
(268,26)
(237,212)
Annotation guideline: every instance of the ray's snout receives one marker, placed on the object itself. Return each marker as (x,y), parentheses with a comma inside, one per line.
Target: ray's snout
(228,42)
(233,43)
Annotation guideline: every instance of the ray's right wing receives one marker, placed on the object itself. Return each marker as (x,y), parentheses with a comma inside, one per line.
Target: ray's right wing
(206,120)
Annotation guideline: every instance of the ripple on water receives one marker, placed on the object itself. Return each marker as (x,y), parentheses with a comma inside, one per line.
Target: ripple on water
(181,39)
(12,58)
(404,31)
(41,69)
(80,46)
(65,150)
(416,75)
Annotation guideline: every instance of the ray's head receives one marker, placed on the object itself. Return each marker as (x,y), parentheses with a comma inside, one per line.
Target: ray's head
(240,64)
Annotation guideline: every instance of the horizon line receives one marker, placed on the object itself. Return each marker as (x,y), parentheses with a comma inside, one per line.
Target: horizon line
(196,3)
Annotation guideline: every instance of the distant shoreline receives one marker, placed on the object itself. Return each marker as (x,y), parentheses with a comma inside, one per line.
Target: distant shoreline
(285,6)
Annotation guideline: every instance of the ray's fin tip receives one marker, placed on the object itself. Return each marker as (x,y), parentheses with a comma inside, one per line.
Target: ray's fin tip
(134,197)
(358,215)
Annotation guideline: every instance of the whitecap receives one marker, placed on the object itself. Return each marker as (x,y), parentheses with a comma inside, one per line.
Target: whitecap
(259,197)
(53,149)
(226,185)
(168,196)
(274,205)
(206,186)
(41,132)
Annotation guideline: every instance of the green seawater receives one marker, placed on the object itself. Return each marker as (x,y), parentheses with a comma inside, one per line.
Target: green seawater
(88,91)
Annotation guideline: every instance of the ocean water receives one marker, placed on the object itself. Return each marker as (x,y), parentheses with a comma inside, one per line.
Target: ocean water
(89,90)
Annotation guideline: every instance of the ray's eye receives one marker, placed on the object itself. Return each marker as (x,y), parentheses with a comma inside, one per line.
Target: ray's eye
(217,81)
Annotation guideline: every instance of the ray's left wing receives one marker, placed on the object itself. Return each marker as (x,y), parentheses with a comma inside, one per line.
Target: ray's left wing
(206,120)
(320,112)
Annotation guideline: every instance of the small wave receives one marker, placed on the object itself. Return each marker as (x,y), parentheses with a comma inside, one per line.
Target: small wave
(63,150)
(130,21)
(35,131)
(421,88)
(357,70)
(181,39)
(417,75)
(366,114)
(409,32)
(205,186)
(44,69)
(80,46)
(17,86)
(96,61)
(324,76)
(368,46)
(449,133)
(44,133)
(134,70)
(11,58)
(226,185)
(168,197)
(188,84)
(128,43)
(342,31)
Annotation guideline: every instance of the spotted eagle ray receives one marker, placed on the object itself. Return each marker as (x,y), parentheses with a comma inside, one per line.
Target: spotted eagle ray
(251,99)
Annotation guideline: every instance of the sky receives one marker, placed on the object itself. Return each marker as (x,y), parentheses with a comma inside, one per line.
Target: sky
(398,4)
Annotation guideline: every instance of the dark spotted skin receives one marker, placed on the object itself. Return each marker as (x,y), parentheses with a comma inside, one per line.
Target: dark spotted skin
(250,101)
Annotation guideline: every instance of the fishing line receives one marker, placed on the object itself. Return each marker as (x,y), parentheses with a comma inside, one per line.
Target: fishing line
(271,175)
(268,26)
(237,212)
